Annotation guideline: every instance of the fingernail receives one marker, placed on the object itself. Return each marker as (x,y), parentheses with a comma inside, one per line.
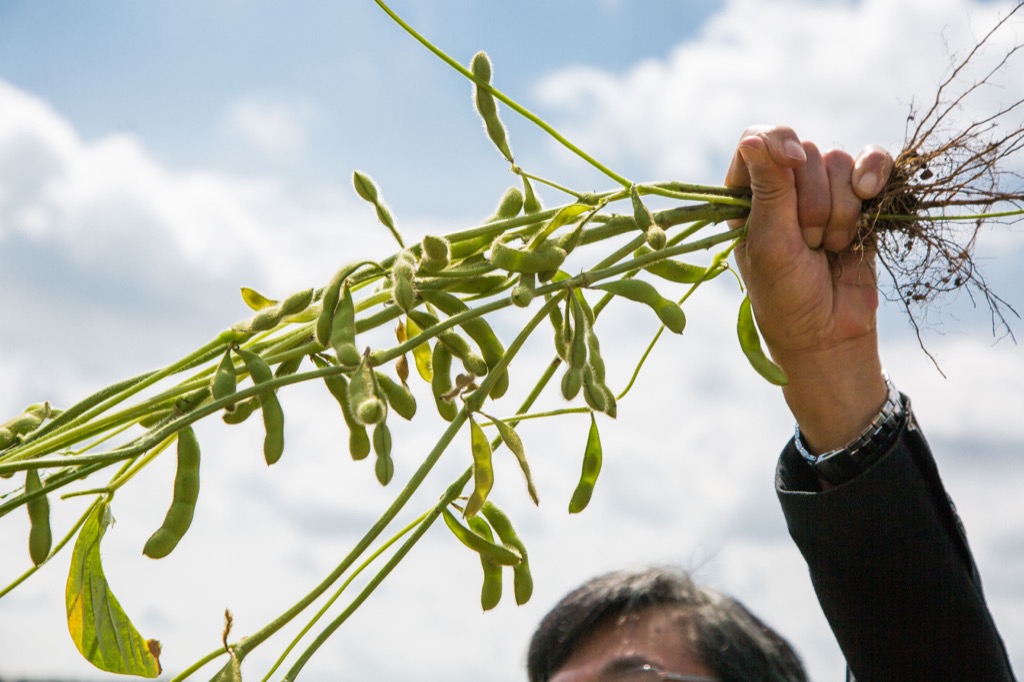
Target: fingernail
(795,150)
(867,185)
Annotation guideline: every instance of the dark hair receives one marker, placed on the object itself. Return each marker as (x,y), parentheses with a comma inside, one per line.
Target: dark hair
(726,637)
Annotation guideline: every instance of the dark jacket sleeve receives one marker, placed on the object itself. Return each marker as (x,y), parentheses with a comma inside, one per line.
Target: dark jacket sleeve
(890,564)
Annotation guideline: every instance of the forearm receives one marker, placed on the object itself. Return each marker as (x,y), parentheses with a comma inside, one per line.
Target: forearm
(892,568)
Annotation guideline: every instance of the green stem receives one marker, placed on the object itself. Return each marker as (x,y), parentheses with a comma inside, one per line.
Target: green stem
(515,106)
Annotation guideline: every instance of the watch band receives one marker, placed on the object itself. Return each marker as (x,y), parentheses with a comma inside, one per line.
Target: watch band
(845,464)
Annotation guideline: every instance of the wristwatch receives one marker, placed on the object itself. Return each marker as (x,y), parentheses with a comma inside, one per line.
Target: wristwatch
(845,464)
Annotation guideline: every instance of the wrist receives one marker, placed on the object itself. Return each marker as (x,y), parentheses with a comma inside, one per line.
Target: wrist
(834,394)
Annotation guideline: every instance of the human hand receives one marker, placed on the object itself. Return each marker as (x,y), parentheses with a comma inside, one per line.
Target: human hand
(812,284)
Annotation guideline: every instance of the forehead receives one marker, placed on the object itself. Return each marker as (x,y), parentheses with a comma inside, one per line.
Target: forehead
(657,635)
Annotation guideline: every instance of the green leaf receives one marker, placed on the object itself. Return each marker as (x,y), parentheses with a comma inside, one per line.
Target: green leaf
(98,625)
(256,300)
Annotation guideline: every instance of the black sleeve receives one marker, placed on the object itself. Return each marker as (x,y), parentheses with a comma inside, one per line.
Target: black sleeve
(890,564)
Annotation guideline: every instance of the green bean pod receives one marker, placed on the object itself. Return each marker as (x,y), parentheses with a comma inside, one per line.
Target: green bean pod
(500,554)
(523,579)
(40,538)
(561,339)
(592,458)
(670,314)
(183,503)
(478,329)
(455,344)
(30,419)
(343,329)
(441,382)
(273,415)
(224,380)
(486,105)
(490,590)
(483,470)
(288,367)
(358,439)
(384,467)
(329,301)
(750,342)
(524,291)
(399,397)
(641,214)
(297,302)
(545,258)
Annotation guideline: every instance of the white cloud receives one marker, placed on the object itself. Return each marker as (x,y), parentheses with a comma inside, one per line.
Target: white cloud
(272,126)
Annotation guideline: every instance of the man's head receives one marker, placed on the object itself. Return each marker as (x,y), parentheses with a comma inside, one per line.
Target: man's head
(660,618)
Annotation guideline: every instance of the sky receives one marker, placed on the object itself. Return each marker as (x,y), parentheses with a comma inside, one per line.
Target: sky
(154,157)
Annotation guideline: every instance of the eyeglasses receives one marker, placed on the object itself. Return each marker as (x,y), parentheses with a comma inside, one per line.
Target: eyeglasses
(647,673)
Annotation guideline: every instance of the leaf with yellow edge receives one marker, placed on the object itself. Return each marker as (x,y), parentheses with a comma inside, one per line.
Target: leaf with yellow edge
(422,354)
(256,300)
(96,621)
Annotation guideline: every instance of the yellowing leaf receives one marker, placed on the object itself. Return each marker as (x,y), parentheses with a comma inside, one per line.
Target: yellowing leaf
(421,354)
(256,300)
(98,625)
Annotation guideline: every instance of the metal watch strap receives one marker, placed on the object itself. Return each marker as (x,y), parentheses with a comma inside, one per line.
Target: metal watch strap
(845,464)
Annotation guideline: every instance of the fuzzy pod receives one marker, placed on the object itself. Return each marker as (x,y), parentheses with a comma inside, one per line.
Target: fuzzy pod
(477,285)
(288,367)
(337,384)
(507,534)
(592,460)
(441,382)
(399,397)
(183,503)
(641,214)
(26,422)
(509,206)
(483,470)
(531,203)
(242,411)
(435,253)
(670,314)
(273,415)
(677,271)
(367,407)
(546,258)
(225,379)
(40,538)
(365,187)
(343,329)
(500,554)
(486,105)
(655,237)
(750,343)
(491,588)
(402,291)
(384,466)
(297,302)
(478,329)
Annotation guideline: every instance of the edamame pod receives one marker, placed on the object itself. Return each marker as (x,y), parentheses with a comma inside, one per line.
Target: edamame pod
(343,329)
(183,503)
(490,590)
(503,555)
(384,467)
(512,441)
(435,254)
(486,105)
(509,206)
(483,471)
(507,534)
(441,382)
(523,292)
(358,439)
(273,415)
(242,411)
(592,458)
(399,397)
(479,330)
(546,258)
(641,214)
(288,367)
(455,344)
(367,407)
(297,302)
(750,342)
(12,429)
(670,314)
(40,538)
(477,285)
(224,380)
(677,271)
(531,204)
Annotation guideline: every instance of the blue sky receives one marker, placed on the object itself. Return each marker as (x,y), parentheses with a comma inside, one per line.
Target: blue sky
(156,156)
